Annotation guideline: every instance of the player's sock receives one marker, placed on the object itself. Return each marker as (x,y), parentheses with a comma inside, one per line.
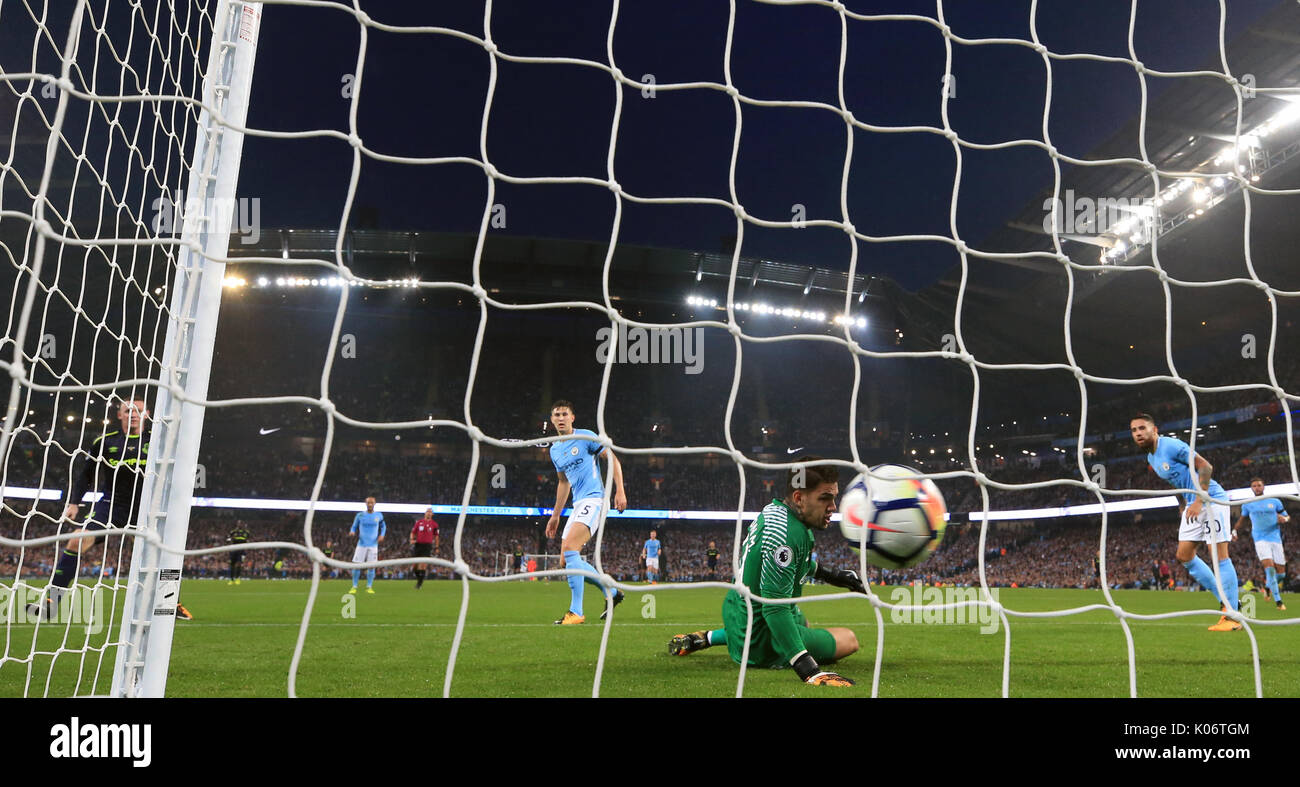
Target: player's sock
(717,637)
(1229,574)
(370,577)
(1270,575)
(1204,576)
(65,570)
(356,576)
(576,585)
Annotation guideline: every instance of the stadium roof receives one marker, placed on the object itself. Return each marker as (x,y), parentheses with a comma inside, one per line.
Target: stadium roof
(1189,128)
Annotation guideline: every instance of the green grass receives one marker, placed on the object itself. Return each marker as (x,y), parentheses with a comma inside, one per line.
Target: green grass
(398,641)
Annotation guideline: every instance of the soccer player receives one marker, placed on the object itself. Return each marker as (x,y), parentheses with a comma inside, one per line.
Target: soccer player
(369,527)
(578,470)
(1264,516)
(328,551)
(775,561)
(424,542)
(114,466)
(711,557)
(650,553)
(1173,461)
(238,535)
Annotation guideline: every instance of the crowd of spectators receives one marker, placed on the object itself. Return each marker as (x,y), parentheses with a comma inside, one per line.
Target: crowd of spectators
(276,451)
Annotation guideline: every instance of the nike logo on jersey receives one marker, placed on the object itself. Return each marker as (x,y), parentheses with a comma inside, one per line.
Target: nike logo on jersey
(794,450)
(269,431)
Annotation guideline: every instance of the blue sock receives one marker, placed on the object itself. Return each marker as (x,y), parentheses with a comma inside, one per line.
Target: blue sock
(1281,578)
(1271,579)
(1203,575)
(572,560)
(356,576)
(1229,575)
(370,577)
(65,570)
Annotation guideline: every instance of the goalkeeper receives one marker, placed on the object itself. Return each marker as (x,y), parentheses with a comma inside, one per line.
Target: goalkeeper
(775,561)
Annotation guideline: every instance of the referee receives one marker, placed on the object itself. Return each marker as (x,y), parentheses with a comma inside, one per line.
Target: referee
(424,541)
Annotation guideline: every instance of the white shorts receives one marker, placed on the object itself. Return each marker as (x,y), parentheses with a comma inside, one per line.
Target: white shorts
(365,555)
(1210,526)
(586,511)
(652,564)
(1270,550)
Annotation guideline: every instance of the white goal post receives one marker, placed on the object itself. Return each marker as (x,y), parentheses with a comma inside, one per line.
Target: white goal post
(188,110)
(164,512)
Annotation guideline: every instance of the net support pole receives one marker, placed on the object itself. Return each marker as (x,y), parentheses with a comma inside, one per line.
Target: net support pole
(148,618)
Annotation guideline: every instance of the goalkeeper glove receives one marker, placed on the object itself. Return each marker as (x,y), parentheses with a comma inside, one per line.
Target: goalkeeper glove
(806,667)
(841,578)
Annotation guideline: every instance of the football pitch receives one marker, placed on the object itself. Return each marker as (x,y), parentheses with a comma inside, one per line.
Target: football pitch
(396,643)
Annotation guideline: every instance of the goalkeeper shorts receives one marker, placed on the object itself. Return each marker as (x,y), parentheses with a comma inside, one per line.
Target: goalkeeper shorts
(820,643)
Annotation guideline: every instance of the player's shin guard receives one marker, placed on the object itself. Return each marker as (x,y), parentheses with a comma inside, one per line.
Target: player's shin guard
(1204,576)
(1229,575)
(65,571)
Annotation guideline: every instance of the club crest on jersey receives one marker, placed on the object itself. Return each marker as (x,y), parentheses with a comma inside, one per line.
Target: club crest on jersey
(1165,466)
(783,556)
(574,450)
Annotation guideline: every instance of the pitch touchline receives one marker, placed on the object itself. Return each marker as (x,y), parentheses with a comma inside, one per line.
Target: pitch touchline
(1059,622)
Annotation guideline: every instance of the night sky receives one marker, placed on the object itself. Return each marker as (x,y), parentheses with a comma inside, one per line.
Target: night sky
(423,95)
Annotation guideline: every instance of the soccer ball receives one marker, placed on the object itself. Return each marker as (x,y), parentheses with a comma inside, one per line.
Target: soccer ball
(898,518)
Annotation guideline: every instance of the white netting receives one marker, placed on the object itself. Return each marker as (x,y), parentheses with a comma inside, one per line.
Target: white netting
(88,150)
(135,238)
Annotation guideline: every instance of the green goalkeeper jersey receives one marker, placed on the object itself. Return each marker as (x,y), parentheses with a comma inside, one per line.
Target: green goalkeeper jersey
(776,558)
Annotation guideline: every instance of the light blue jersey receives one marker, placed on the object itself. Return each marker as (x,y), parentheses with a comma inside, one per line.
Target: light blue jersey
(1263,519)
(370,527)
(577,460)
(652,549)
(1172,461)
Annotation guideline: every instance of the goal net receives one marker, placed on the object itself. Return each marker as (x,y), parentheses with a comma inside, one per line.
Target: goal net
(364,348)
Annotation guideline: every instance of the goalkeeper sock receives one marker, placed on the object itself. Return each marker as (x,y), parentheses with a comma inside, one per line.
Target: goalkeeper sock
(1229,575)
(716,637)
(1270,575)
(356,576)
(65,571)
(1203,575)
(370,577)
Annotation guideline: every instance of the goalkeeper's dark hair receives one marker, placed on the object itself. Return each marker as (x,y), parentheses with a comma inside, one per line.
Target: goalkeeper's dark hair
(563,403)
(1143,417)
(810,476)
